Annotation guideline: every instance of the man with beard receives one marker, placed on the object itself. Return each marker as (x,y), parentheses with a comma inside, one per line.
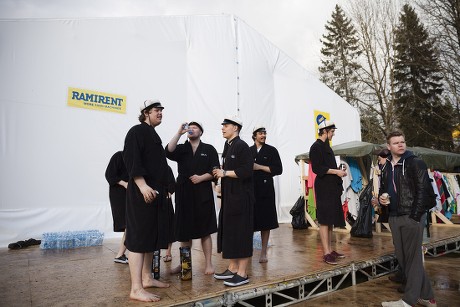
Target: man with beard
(146,164)
(195,209)
(267,164)
(328,189)
(236,216)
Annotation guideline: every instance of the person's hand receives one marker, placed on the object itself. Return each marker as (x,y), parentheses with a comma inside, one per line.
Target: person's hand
(196,179)
(384,199)
(183,128)
(341,173)
(218,173)
(375,202)
(148,193)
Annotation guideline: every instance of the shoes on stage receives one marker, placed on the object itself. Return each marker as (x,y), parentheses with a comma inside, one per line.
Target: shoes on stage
(121,259)
(236,280)
(337,255)
(329,259)
(227,274)
(24,244)
(399,303)
(427,303)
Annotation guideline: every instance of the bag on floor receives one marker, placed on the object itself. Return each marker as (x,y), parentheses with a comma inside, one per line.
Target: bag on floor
(363,224)
(298,214)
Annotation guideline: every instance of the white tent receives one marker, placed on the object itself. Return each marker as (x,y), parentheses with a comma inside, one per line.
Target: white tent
(202,68)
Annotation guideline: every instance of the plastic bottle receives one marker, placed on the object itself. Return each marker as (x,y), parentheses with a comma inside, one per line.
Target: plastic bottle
(257,240)
(156,264)
(71,239)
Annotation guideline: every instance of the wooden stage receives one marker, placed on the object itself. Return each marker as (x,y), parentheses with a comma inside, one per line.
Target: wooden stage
(295,272)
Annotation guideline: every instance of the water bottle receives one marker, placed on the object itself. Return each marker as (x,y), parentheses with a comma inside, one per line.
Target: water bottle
(257,240)
(156,264)
(71,239)
(186,263)
(48,240)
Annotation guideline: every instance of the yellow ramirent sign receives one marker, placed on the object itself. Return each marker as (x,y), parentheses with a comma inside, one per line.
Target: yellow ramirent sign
(81,98)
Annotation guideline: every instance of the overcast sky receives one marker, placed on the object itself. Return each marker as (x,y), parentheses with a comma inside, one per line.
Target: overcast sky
(294,26)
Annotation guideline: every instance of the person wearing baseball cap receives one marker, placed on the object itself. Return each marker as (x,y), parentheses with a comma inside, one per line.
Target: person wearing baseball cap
(267,164)
(145,161)
(328,189)
(195,210)
(236,216)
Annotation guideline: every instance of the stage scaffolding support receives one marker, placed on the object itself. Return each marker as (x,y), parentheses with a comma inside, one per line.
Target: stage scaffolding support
(307,287)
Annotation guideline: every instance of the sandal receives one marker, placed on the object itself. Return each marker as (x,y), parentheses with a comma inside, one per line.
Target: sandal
(167,258)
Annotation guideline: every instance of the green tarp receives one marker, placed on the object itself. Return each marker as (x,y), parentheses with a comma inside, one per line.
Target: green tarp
(435,159)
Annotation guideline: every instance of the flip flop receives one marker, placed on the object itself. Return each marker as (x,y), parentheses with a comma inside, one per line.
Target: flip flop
(167,258)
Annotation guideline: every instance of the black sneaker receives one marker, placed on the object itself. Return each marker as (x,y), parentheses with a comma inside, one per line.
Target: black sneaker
(236,280)
(121,259)
(225,275)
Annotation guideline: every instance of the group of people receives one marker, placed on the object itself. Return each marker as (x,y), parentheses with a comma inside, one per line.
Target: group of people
(248,200)
(405,194)
(145,214)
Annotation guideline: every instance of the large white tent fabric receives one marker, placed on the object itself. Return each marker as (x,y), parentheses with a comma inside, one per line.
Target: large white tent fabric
(202,68)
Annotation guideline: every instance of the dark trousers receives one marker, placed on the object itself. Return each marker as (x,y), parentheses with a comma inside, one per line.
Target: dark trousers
(407,238)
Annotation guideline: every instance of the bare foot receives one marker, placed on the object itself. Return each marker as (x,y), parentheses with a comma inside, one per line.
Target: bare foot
(263,259)
(176,270)
(144,296)
(153,283)
(209,270)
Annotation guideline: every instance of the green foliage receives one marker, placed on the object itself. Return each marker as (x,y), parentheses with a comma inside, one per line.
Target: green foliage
(422,113)
(339,56)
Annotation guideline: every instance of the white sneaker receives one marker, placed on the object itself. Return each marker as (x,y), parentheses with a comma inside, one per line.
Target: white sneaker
(427,303)
(399,303)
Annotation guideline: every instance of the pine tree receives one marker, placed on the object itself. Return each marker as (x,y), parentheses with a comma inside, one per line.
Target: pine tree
(340,52)
(422,114)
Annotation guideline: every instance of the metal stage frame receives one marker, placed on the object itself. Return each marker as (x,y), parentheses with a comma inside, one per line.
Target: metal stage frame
(300,289)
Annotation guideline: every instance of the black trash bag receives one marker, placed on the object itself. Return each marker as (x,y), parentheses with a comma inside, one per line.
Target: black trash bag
(363,225)
(298,214)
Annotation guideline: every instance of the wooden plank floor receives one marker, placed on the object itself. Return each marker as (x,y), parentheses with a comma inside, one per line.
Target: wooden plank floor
(89,277)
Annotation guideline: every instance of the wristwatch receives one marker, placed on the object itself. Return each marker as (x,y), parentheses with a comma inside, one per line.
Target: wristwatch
(224,172)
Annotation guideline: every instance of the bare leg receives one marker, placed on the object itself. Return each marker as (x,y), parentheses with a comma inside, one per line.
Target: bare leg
(167,257)
(147,279)
(330,239)
(242,265)
(138,292)
(122,248)
(206,243)
(177,269)
(233,265)
(265,235)
(324,236)
(168,251)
